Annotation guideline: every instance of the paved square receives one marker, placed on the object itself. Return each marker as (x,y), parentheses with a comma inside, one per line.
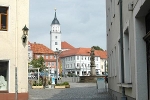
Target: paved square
(77,91)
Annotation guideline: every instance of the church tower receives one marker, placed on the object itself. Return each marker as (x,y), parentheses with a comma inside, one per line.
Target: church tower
(55,35)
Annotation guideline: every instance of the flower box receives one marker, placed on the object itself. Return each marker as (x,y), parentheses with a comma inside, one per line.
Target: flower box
(67,86)
(60,87)
(37,87)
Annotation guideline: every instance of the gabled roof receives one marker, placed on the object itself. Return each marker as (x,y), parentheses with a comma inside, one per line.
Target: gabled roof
(102,54)
(83,52)
(65,45)
(40,48)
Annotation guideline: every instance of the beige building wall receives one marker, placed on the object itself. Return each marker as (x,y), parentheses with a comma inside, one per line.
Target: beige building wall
(135,63)
(12,48)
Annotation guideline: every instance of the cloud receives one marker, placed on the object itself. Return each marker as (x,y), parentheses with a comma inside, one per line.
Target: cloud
(83,23)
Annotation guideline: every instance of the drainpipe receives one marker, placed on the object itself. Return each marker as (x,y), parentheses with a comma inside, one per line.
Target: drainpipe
(122,53)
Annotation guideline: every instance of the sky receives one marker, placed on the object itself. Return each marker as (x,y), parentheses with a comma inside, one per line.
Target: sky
(83,22)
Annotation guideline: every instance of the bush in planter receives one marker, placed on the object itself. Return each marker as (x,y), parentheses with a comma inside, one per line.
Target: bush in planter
(66,83)
(37,84)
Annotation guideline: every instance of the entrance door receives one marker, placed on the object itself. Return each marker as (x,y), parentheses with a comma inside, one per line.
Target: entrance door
(147,40)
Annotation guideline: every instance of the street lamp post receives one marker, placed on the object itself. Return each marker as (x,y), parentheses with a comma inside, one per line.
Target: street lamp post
(86,70)
(83,69)
(49,72)
(105,67)
(57,53)
(56,68)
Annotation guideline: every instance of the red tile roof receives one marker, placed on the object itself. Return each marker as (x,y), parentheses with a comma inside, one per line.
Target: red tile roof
(84,52)
(40,48)
(65,45)
(102,54)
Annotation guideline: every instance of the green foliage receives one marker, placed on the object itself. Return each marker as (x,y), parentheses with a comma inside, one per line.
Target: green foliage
(61,84)
(38,63)
(97,48)
(37,84)
(66,83)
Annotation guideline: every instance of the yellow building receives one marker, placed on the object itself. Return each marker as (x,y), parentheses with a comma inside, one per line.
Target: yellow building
(14,15)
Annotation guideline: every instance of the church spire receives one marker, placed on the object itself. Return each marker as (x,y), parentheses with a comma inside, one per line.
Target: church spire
(55,21)
(55,13)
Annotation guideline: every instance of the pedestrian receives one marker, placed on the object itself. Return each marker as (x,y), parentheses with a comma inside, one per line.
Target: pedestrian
(106,79)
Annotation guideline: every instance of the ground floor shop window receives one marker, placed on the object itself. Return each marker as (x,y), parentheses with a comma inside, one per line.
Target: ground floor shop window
(4,75)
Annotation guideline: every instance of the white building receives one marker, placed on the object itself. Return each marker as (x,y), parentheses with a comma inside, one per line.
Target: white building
(30,53)
(128,26)
(77,61)
(55,35)
(14,15)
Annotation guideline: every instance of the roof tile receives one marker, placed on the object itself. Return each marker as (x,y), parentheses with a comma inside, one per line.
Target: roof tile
(83,52)
(40,48)
(65,45)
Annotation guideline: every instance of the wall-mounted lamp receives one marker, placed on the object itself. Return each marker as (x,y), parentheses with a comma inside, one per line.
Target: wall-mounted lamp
(25,33)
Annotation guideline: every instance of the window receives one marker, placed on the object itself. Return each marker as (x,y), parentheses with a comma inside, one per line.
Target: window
(52,63)
(4,75)
(77,57)
(55,37)
(46,56)
(3,18)
(96,58)
(50,56)
(56,43)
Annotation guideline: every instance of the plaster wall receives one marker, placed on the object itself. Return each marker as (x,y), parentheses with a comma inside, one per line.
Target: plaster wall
(12,47)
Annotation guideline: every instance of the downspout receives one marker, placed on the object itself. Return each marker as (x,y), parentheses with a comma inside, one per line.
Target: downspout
(122,53)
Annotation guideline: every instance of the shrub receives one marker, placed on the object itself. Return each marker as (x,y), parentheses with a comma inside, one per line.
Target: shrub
(37,84)
(49,82)
(66,83)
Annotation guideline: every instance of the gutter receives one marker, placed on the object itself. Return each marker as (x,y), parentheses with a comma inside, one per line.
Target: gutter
(122,53)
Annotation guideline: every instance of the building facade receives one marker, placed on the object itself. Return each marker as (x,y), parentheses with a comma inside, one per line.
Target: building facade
(14,15)
(77,61)
(47,54)
(30,53)
(128,49)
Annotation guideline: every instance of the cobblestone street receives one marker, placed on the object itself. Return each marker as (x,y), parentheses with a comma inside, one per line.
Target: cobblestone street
(77,91)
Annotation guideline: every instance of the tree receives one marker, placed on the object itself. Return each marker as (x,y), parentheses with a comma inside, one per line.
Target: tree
(97,48)
(38,63)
